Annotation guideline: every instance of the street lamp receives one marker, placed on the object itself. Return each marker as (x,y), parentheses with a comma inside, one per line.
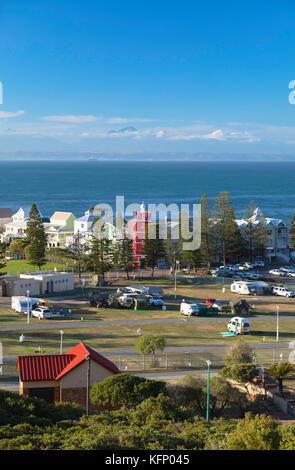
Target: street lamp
(208,392)
(87,358)
(61,335)
(278,310)
(28,306)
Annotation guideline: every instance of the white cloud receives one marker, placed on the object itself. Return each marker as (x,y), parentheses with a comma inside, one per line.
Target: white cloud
(81,119)
(6,114)
(71,118)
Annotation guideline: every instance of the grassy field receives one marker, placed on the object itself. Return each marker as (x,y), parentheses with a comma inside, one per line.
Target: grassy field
(113,337)
(14,267)
(118,337)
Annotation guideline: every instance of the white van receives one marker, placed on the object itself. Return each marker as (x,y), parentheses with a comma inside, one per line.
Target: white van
(188,309)
(239,325)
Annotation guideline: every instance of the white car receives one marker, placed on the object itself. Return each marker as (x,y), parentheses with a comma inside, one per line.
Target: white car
(188,309)
(41,313)
(239,325)
(155,301)
(283,291)
(248,265)
(243,267)
(277,272)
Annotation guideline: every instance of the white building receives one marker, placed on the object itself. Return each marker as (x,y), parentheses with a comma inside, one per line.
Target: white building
(50,281)
(60,227)
(277,234)
(16,228)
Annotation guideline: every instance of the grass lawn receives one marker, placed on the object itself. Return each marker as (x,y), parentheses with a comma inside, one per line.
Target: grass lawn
(14,267)
(120,337)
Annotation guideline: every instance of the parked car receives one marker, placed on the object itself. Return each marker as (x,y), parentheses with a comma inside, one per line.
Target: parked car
(41,313)
(239,325)
(277,272)
(153,300)
(283,291)
(258,264)
(243,267)
(248,265)
(187,308)
(253,275)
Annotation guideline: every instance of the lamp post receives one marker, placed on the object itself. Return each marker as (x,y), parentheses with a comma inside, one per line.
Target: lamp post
(175,284)
(61,336)
(28,306)
(278,310)
(208,392)
(87,357)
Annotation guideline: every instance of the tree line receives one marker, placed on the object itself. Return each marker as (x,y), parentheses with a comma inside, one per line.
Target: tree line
(221,241)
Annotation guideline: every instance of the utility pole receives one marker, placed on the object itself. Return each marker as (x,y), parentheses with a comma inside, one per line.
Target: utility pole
(278,310)
(208,392)
(61,336)
(87,357)
(28,307)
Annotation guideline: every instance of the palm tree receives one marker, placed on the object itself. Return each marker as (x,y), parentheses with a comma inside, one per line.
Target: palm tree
(279,372)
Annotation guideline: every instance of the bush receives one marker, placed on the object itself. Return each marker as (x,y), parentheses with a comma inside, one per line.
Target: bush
(125,390)
(260,432)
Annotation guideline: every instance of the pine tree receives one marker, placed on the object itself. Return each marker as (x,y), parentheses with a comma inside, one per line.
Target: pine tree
(208,238)
(229,239)
(101,255)
(123,255)
(235,242)
(36,237)
(152,249)
(192,258)
(3,247)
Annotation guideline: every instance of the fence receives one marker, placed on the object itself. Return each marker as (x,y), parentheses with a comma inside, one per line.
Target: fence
(193,359)
(190,360)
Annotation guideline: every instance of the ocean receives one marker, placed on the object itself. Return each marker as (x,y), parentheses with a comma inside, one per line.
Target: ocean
(75,186)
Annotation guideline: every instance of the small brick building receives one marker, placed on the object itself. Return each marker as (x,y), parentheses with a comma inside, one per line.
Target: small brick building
(63,377)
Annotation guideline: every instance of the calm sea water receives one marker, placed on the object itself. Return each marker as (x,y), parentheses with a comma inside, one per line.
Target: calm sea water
(75,186)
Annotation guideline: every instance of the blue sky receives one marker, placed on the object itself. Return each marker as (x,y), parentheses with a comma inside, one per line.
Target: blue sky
(161,76)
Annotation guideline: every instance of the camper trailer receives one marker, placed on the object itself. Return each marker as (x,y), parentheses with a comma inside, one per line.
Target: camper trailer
(249,288)
(20,303)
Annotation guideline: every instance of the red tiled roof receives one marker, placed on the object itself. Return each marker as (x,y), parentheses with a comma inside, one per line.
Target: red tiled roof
(80,351)
(55,366)
(45,367)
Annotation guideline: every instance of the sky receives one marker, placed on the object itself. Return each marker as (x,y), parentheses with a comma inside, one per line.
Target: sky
(156,76)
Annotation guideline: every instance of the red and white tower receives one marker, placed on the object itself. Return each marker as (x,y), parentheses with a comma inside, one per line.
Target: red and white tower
(139,223)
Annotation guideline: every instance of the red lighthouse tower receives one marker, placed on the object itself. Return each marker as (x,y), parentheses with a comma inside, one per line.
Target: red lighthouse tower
(141,219)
